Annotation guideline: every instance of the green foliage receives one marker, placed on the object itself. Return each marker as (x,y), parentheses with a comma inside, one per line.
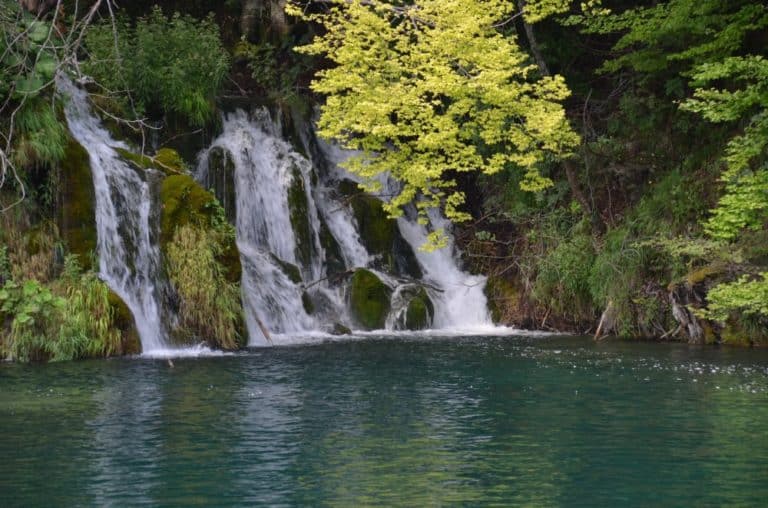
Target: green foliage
(41,137)
(276,69)
(672,201)
(88,328)
(676,34)
(748,296)
(745,203)
(175,64)
(617,274)
(202,262)
(562,282)
(28,53)
(71,319)
(210,305)
(430,89)
(5,264)
(34,312)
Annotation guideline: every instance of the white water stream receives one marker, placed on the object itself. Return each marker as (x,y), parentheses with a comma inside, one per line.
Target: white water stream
(266,167)
(129,257)
(271,235)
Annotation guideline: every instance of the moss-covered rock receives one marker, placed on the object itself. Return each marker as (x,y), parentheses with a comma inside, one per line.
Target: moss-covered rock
(123,320)
(307,303)
(289,269)
(503,300)
(165,160)
(339,329)
(77,213)
(298,206)
(183,202)
(379,233)
(334,260)
(220,179)
(369,299)
(420,311)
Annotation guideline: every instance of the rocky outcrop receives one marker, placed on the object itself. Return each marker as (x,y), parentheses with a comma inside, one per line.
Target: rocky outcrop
(369,299)
(380,234)
(689,294)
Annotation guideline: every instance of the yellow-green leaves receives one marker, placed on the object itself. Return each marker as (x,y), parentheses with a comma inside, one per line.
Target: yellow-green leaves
(429,89)
(745,203)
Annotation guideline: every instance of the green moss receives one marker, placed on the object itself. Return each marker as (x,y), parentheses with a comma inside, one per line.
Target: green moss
(299,214)
(704,273)
(289,269)
(220,179)
(122,319)
(184,202)
(166,160)
(369,299)
(379,233)
(420,310)
(77,214)
(170,159)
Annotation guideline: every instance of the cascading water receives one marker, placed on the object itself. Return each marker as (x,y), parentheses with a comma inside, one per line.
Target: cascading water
(459,298)
(461,301)
(274,205)
(273,185)
(129,258)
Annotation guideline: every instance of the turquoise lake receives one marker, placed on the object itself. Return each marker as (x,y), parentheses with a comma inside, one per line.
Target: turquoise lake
(398,421)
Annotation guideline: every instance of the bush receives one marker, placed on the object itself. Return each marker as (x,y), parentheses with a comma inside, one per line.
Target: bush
(174,64)
(44,325)
(562,282)
(210,305)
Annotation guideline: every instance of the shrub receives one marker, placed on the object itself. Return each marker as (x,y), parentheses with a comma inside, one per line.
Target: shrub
(210,305)
(174,64)
(562,282)
(71,319)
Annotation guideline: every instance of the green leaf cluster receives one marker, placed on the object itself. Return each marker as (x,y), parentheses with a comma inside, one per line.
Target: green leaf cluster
(676,34)
(28,52)
(172,64)
(742,94)
(71,319)
(429,89)
(747,296)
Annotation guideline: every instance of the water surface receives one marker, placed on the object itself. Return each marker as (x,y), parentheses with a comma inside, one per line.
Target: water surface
(393,421)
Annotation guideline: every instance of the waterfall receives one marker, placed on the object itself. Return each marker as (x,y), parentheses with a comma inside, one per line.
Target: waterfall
(129,257)
(459,298)
(277,226)
(461,301)
(273,183)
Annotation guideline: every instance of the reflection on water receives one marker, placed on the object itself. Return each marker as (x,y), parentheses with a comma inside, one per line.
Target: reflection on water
(505,421)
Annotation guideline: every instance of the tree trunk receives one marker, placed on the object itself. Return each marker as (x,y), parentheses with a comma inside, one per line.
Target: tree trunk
(278,21)
(249,16)
(568,165)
